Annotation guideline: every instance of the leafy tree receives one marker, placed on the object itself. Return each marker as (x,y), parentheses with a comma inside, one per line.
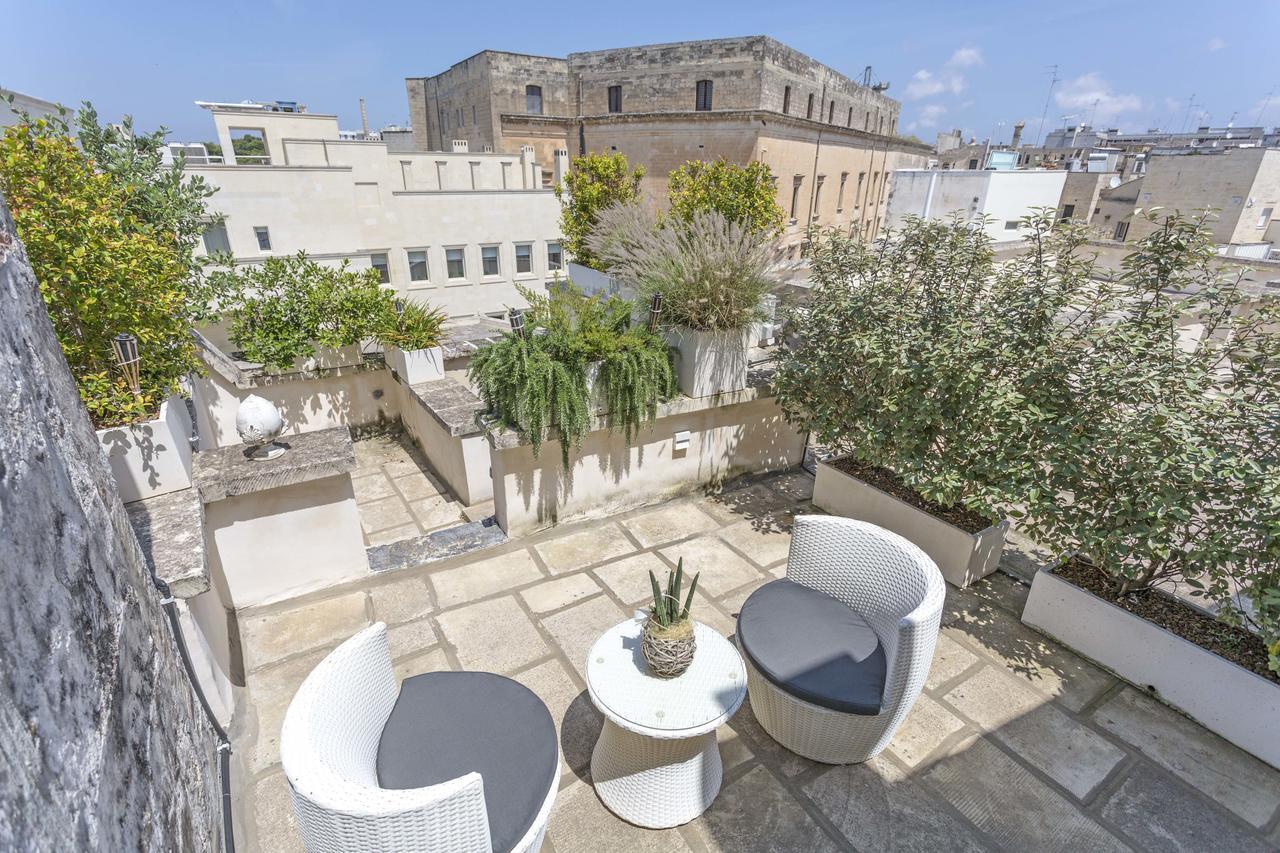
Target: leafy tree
(103,269)
(249,145)
(595,182)
(212,148)
(745,194)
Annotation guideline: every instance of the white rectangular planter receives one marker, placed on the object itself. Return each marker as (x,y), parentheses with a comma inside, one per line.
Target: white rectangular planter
(151,458)
(710,363)
(1223,697)
(418,365)
(326,358)
(963,557)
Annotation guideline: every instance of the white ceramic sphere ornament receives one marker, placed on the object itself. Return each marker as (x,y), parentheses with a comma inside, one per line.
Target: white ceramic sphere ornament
(259,422)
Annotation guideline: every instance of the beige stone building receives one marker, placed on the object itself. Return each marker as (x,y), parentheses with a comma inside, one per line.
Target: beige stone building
(831,142)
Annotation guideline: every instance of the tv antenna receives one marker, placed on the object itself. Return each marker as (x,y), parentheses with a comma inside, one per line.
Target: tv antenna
(1266,102)
(1191,102)
(1053,81)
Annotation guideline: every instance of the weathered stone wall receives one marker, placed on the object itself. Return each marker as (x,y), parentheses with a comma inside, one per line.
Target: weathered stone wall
(104,744)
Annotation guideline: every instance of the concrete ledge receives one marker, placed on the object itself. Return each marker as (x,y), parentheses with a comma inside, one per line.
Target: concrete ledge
(452,405)
(170,531)
(226,472)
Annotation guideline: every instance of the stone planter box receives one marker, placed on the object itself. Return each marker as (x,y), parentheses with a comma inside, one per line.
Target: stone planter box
(324,358)
(963,557)
(1223,697)
(151,458)
(418,365)
(709,363)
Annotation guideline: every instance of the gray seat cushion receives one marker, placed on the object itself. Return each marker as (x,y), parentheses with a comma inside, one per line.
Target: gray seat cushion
(447,724)
(813,647)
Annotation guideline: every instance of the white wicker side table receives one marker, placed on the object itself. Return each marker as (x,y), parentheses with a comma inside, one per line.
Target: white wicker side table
(656,763)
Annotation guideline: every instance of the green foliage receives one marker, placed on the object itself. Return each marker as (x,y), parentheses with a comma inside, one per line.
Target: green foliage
(106,264)
(745,194)
(540,382)
(1047,390)
(281,309)
(249,146)
(595,182)
(417,327)
(666,610)
(712,272)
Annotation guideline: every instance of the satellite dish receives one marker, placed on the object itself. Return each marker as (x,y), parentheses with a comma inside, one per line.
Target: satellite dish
(1114,182)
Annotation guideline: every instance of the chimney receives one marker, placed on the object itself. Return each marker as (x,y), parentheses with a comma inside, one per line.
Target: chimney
(532,179)
(1017,134)
(364,120)
(561,165)
(459,146)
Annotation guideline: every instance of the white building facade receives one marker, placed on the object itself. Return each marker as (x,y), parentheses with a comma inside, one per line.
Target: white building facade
(458,230)
(1003,197)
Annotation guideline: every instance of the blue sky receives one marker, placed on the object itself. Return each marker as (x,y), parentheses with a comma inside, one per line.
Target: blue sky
(977,66)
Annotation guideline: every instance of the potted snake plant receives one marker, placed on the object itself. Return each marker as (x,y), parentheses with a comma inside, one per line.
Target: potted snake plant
(668,643)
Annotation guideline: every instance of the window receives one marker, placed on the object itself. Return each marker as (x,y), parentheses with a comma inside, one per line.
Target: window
(524,257)
(1068,210)
(867,125)
(533,100)
(1011,225)
(786,99)
(808,110)
(817,193)
(795,195)
(615,99)
(844,178)
(831,113)
(379,263)
(1122,231)
(263,236)
(456,262)
(702,102)
(973,164)
(249,145)
(555,257)
(849,121)
(215,238)
(418,265)
(857,197)
(473,113)
(882,124)
(489,261)
(1265,217)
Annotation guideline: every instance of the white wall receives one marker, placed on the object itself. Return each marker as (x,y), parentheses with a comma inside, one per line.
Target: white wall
(1005,196)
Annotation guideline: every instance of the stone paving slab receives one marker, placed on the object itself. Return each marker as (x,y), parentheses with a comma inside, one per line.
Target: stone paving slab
(755,814)
(719,568)
(585,548)
(668,524)
(272,636)
(558,593)
(485,577)
(493,636)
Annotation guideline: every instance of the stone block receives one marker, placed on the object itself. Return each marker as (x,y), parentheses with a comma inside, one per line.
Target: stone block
(673,521)
(371,487)
(275,826)
(558,593)
(577,720)
(628,578)
(392,534)
(383,513)
(434,660)
(580,823)
(401,600)
(575,630)
(754,814)
(949,660)
(766,541)
(584,548)
(485,577)
(923,731)
(270,637)
(270,692)
(411,638)
(493,636)
(719,568)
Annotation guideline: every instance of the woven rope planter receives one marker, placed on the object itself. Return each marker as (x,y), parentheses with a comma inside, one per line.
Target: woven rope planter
(668,651)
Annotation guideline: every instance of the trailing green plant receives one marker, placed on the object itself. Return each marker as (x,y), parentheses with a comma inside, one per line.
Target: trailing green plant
(594,182)
(666,610)
(711,272)
(417,327)
(280,310)
(745,194)
(102,270)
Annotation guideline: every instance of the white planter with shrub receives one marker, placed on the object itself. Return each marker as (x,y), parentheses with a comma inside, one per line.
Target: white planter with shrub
(415,366)
(963,557)
(153,457)
(709,363)
(1225,698)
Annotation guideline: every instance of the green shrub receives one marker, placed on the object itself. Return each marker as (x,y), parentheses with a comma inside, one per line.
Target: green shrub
(594,182)
(417,327)
(745,194)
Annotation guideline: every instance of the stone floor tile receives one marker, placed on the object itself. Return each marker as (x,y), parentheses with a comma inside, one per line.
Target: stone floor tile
(580,823)
(276,828)
(707,613)
(755,814)
(949,660)
(485,577)
(401,600)
(437,512)
(560,592)
(1032,657)
(411,638)
(383,513)
(1003,591)
(980,780)
(923,731)
(405,465)
(753,502)
(1161,814)
(493,636)
(577,721)
(765,541)
(878,807)
(270,691)
(764,746)
(628,578)
(1203,760)
(478,512)
(269,637)
(584,548)
(417,486)
(434,660)
(1069,752)
(796,485)
(576,630)
(673,521)
(718,567)
(734,749)
(372,487)
(392,534)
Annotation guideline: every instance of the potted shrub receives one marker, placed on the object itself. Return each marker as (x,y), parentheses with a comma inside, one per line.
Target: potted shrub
(412,343)
(109,232)
(668,643)
(1162,470)
(712,275)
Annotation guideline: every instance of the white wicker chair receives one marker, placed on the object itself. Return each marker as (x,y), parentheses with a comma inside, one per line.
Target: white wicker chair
(899,591)
(329,745)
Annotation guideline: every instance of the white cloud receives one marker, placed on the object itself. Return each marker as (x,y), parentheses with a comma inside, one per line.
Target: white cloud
(1082,93)
(947,79)
(965,56)
(928,116)
(1216,43)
